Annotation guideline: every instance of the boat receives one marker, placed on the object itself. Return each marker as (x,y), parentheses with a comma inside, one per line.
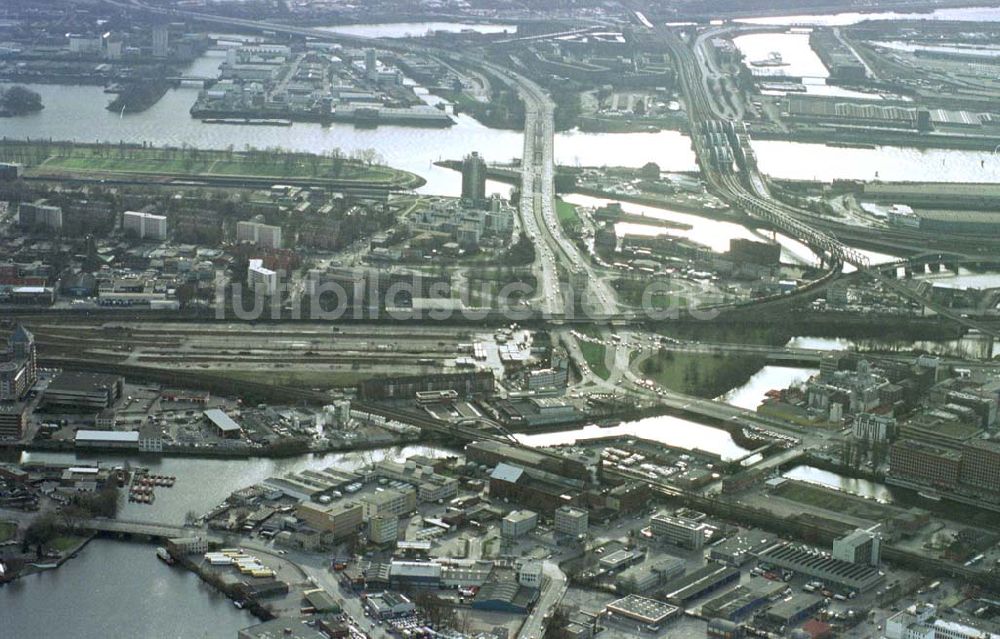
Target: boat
(239,604)
(930,496)
(773,59)
(165,556)
(249,121)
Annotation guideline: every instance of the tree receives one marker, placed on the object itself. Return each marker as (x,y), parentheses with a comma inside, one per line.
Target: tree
(650,171)
(18,100)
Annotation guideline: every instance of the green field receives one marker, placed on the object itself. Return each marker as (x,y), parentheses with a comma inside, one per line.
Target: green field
(64,543)
(594,353)
(831,500)
(306,378)
(41,158)
(698,374)
(7,530)
(568,217)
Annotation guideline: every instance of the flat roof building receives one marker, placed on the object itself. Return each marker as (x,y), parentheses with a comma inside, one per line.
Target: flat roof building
(810,562)
(679,531)
(107,439)
(649,612)
(83,390)
(223,423)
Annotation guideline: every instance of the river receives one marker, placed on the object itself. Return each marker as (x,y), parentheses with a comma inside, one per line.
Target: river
(962,14)
(672,431)
(203,484)
(860,487)
(117,589)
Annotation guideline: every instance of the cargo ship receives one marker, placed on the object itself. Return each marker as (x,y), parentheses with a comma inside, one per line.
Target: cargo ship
(773,59)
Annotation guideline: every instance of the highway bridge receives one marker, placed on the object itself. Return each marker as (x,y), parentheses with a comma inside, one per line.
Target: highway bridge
(136,528)
(730,168)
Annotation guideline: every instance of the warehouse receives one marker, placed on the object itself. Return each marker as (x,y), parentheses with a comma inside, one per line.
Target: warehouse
(650,612)
(738,549)
(740,602)
(794,611)
(83,390)
(224,424)
(701,582)
(812,563)
(107,439)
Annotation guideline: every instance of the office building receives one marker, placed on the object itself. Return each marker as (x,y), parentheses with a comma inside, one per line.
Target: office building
(474,178)
(518,523)
(858,547)
(981,464)
(571,521)
(259,234)
(13,418)
(339,520)
(261,279)
(678,531)
(18,365)
(391,502)
(71,390)
(383,529)
(144,225)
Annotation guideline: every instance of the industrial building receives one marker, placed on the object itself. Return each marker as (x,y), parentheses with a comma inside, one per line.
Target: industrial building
(339,520)
(466,384)
(224,425)
(650,575)
(80,391)
(741,602)
(390,501)
(837,572)
(794,611)
(741,547)
(107,439)
(699,583)
(652,614)
(430,485)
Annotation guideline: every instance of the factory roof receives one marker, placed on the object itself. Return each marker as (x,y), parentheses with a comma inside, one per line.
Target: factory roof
(223,421)
(107,436)
(650,611)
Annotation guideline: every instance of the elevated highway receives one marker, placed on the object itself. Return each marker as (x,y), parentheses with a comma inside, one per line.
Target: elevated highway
(730,168)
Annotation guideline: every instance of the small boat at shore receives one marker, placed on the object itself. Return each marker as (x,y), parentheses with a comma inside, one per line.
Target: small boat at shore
(165,557)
